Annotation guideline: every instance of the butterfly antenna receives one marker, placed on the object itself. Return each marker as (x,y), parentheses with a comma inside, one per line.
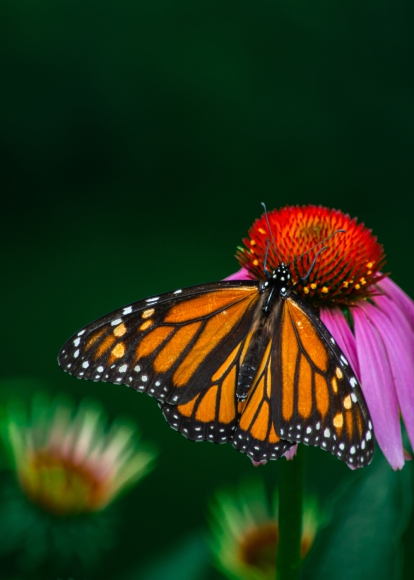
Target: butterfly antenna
(271,234)
(316,245)
(265,259)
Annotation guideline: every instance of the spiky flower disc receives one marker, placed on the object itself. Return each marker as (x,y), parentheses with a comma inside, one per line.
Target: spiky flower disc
(344,273)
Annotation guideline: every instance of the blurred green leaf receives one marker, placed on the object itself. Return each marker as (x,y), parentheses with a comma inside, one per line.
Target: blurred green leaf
(363,539)
(188,560)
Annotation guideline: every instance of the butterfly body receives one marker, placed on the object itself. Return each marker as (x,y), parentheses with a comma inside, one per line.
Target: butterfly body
(245,362)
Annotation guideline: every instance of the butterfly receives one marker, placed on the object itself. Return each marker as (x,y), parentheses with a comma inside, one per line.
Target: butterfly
(246,362)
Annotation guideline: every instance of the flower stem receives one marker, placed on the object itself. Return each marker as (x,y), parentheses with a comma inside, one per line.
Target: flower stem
(290,517)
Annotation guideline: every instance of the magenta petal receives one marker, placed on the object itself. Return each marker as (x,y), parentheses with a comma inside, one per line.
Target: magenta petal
(398,338)
(291,452)
(335,322)
(399,297)
(378,384)
(242,274)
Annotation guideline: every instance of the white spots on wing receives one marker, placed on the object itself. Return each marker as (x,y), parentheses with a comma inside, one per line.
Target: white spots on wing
(353,382)
(343,359)
(157,383)
(326,433)
(152,299)
(123,368)
(137,369)
(85,364)
(76,341)
(281,431)
(352,450)
(127,310)
(309,430)
(144,378)
(81,332)
(318,425)
(333,340)
(116,322)
(100,369)
(368,436)
(370,424)
(363,444)
(342,446)
(178,292)
(354,397)
(76,353)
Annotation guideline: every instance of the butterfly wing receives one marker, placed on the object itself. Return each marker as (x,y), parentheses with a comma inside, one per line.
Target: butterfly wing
(255,433)
(167,346)
(318,400)
(216,415)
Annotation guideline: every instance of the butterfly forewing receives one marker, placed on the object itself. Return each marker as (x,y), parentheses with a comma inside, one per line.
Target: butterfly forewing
(319,400)
(167,346)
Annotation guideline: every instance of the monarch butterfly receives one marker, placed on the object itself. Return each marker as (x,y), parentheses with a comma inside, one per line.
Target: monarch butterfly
(245,362)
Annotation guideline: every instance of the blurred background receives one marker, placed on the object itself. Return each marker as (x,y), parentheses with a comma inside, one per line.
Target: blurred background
(138,139)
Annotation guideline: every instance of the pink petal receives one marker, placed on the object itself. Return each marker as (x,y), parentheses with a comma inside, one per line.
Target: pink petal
(257,463)
(399,297)
(399,341)
(378,384)
(335,322)
(242,274)
(291,452)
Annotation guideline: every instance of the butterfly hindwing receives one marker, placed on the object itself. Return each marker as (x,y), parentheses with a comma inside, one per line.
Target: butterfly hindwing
(255,433)
(212,414)
(319,400)
(216,415)
(165,346)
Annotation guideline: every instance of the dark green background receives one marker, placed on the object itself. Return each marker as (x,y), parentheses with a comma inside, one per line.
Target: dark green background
(138,139)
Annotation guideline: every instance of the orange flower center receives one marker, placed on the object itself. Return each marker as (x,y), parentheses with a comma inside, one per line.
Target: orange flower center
(344,272)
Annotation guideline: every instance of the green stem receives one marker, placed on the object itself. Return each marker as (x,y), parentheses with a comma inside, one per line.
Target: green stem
(290,517)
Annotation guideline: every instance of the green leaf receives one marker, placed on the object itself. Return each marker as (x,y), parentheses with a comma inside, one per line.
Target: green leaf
(363,539)
(188,560)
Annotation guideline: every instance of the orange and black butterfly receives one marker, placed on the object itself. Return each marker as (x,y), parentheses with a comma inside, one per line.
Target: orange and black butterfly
(245,362)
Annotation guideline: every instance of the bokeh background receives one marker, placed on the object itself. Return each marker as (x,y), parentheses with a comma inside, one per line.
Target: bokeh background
(138,139)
